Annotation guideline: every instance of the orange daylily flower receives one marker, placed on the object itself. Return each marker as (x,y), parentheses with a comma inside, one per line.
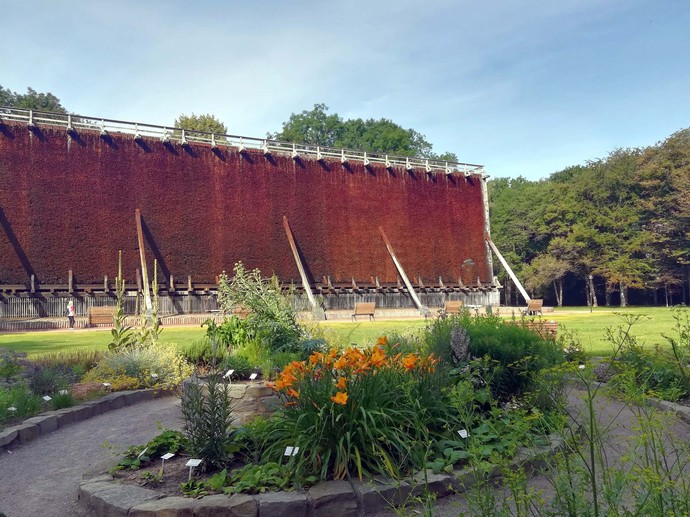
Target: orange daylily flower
(315,358)
(340,398)
(383,340)
(409,361)
(340,363)
(378,358)
(342,383)
(292,393)
(291,403)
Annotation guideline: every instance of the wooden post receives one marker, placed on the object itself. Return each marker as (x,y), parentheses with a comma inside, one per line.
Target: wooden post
(424,310)
(316,310)
(507,268)
(70,282)
(33,283)
(190,287)
(105,284)
(172,283)
(144,273)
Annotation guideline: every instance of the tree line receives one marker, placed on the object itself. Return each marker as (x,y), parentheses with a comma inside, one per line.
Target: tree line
(613,231)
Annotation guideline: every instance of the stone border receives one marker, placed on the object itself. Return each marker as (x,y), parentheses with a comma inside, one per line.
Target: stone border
(101,495)
(50,421)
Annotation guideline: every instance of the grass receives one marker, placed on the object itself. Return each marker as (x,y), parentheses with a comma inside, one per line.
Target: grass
(589,326)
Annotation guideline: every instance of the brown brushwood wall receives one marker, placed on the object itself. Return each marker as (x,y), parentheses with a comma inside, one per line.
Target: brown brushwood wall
(69,203)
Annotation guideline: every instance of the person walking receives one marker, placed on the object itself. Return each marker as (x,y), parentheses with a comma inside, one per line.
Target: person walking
(70,314)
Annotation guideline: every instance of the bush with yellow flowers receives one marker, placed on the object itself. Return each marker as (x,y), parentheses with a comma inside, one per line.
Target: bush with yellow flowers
(358,411)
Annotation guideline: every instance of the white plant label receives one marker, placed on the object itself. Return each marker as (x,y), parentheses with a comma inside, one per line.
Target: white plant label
(154,375)
(253,376)
(47,398)
(291,451)
(581,367)
(229,373)
(106,385)
(193,463)
(63,392)
(12,408)
(463,433)
(142,452)
(167,456)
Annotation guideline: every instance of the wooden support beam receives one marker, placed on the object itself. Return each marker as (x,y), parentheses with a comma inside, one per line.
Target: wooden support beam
(295,253)
(507,268)
(33,283)
(148,304)
(70,282)
(172,283)
(190,287)
(424,310)
(106,288)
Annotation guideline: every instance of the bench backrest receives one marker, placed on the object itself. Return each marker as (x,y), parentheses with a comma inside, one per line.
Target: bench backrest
(544,328)
(453,307)
(365,307)
(101,314)
(535,305)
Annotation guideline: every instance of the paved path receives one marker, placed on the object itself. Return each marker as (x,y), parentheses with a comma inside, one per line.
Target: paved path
(42,478)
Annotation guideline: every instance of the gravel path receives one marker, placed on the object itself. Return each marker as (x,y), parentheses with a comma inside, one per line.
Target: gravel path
(42,478)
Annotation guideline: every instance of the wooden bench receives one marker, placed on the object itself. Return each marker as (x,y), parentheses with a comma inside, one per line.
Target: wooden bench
(453,307)
(364,309)
(546,329)
(533,307)
(101,315)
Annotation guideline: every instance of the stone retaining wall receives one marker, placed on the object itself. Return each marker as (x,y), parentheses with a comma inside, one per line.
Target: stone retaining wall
(100,495)
(50,421)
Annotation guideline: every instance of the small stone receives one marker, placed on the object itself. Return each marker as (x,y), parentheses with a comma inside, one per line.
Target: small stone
(236,391)
(440,484)
(237,505)
(270,404)
(27,432)
(331,498)
(380,494)
(278,504)
(166,507)
(118,499)
(7,436)
(257,392)
(47,423)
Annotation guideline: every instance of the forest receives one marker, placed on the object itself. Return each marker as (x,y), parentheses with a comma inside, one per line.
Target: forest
(615,231)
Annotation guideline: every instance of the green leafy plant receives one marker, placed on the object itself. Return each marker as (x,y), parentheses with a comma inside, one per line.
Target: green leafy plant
(207,413)
(122,335)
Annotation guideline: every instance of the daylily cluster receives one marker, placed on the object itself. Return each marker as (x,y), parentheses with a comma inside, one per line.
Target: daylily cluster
(341,369)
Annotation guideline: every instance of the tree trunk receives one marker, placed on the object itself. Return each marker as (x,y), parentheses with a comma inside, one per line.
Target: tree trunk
(624,302)
(607,295)
(655,293)
(555,290)
(560,291)
(666,293)
(592,291)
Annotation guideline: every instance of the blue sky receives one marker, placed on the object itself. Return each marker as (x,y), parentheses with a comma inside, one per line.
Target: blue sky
(524,87)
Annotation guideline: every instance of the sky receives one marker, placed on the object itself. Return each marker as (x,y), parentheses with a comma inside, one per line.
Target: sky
(524,87)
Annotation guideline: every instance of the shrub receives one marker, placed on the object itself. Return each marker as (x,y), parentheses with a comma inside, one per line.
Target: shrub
(200,352)
(46,380)
(271,319)
(80,361)
(62,400)
(10,365)
(207,413)
(156,364)
(19,397)
(519,352)
(362,411)
(238,363)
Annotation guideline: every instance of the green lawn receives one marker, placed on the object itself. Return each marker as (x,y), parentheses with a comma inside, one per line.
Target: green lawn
(590,328)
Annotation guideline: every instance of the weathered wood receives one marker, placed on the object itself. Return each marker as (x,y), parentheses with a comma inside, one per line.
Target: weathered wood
(144,271)
(101,316)
(534,307)
(298,261)
(364,309)
(507,268)
(453,307)
(400,269)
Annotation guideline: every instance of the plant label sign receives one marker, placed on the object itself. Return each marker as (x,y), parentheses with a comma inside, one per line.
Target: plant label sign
(193,463)
(229,373)
(12,408)
(167,456)
(463,433)
(47,398)
(106,385)
(154,375)
(291,451)
(142,452)
(253,376)
(63,392)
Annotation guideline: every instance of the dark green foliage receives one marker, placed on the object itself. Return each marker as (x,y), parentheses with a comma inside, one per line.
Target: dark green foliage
(62,400)
(31,100)
(655,371)
(47,380)
(518,352)
(10,365)
(377,136)
(138,456)
(238,363)
(201,353)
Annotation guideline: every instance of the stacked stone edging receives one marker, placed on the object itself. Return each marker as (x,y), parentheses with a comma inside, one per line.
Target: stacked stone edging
(101,495)
(46,423)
